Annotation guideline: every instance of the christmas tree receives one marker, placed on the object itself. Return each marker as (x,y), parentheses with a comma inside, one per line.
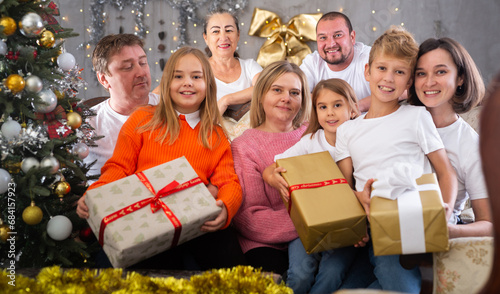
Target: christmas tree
(43,140)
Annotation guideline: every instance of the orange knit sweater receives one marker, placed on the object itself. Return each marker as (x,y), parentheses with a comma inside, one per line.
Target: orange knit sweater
(135,152)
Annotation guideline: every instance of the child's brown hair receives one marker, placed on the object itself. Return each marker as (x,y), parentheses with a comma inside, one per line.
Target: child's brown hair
(338,86)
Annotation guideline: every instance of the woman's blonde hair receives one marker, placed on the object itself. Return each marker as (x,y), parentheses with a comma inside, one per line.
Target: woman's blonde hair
(266,79)
(165,116)
(338,86)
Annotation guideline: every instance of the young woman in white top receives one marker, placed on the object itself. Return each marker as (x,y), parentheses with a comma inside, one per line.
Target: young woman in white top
(448,83)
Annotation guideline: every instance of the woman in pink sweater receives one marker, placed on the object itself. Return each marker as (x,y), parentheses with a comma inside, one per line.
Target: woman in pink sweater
(280,104)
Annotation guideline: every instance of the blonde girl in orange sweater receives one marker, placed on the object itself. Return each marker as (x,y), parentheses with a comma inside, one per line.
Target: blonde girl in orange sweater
(186,122)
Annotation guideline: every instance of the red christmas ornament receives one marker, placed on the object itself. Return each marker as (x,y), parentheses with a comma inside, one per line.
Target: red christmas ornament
(86,235)
(35,54)
(10,55)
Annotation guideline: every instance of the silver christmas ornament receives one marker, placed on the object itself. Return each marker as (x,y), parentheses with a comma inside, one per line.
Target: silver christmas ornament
(11,129)
(50,161)
(3,47)
(81,150)
(28,163)
(31,25)
(49,99)
(59,227)
(66,61)
(5,178)
(34,84)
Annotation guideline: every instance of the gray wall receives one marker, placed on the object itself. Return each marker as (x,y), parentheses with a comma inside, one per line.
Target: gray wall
(472,23)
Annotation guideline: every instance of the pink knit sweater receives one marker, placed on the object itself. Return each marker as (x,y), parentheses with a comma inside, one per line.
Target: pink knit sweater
(262,219)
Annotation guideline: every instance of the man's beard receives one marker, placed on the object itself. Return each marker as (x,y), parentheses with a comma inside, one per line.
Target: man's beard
(341,60)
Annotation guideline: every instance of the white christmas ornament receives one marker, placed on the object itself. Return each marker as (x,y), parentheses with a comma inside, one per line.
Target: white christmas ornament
(81,149)
(34,84)
(59,227)
(11,129)
(50,100)
(50,161)
(4,180)
(66,61)
(28,163)
(3,47)
(31,25)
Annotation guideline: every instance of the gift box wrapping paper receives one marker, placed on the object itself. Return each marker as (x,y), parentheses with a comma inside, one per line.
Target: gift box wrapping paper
(385,224)
(325,217)
(141,234)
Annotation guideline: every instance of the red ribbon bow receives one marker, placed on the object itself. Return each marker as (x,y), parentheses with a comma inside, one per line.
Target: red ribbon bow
(51,119)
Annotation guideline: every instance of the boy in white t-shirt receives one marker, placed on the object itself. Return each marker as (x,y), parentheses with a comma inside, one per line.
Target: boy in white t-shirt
(389,133)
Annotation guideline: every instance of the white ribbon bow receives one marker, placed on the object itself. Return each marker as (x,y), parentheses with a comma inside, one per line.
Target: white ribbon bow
(399,182)
(393,182)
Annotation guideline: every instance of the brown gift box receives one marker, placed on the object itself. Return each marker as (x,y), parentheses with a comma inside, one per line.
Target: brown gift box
(385,226)
(325,217)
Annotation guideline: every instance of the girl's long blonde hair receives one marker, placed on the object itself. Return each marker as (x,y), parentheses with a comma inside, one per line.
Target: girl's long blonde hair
(338,86)
(165,117)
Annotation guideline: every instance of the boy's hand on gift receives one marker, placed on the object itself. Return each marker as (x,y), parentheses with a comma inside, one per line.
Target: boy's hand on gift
(213,190)
(218,222)
(364,196)
(82,210)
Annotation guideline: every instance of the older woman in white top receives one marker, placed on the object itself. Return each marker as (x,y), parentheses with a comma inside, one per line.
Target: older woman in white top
(234,76)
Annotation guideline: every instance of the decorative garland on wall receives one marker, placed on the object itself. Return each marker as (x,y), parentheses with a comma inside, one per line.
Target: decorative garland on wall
(97,15)
(187,12)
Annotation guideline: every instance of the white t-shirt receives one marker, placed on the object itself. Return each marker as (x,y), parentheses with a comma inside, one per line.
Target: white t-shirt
(406,135)
(462,146)
(308,145)
(249,68)
(316,70)
(107,123)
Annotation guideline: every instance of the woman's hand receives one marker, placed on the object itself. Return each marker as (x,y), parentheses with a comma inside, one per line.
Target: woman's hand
(82,210)
(218,222)
(223,104)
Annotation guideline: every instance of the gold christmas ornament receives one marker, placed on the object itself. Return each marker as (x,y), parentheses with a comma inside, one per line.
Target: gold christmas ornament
(74,120)
(32,214)
(4,232)
(13,167)
(62,188)
(9,25)
(59,94)
(15,83)
(47,39)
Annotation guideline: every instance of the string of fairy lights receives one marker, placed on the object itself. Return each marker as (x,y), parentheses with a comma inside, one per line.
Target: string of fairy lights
(182,28)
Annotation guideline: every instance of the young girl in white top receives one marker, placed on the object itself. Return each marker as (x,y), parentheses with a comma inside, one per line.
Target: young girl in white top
(334,102)
(448,82)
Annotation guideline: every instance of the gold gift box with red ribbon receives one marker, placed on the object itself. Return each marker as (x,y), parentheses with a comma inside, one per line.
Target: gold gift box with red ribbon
(322,206)
(147,213)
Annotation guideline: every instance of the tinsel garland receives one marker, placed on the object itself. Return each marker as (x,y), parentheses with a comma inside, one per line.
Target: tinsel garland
(187,12)
(97,17)
(240,279)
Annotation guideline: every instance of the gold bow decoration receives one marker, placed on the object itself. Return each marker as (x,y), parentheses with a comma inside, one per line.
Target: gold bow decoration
(284,41)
